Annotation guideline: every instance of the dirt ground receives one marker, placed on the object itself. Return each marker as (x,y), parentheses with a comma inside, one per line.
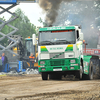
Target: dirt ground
(31,87)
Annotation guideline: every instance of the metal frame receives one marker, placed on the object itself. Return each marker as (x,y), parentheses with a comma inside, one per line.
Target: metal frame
(11,33)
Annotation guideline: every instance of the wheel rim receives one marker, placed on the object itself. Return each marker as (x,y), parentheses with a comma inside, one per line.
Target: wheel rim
(80,72)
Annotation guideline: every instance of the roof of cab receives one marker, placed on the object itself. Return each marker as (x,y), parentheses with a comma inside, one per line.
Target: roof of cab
(57,28)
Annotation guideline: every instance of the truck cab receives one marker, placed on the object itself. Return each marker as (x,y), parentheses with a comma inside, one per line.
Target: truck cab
(30,48)
(60,51)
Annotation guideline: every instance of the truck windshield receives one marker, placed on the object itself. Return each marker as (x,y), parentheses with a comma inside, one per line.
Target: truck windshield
(57,37)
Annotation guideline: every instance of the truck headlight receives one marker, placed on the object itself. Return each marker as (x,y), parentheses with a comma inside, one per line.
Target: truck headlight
(42,62)
(71,67)
(72,61)
(41,66)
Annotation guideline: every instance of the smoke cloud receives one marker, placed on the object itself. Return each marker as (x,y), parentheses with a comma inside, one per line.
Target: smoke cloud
(84,13)
(75,12)
(51,8)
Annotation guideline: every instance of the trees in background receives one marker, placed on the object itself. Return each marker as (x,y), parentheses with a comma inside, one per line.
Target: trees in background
(23,24)
(26,28)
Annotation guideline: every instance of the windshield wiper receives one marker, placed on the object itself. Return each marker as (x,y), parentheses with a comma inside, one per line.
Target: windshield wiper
(46,42)
(62,41)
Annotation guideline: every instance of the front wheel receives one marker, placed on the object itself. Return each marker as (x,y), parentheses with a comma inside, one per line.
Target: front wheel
(44,76)
(90,75)
(79,73)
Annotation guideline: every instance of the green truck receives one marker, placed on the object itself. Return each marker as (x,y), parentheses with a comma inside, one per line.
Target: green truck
(60,53)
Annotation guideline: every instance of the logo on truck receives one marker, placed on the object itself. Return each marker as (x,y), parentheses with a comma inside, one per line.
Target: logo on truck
(58,48)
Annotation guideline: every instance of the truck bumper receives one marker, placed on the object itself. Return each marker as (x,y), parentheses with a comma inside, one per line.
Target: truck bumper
(58,68)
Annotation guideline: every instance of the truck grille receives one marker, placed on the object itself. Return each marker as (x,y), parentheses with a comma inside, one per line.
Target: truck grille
(57,55)
(57,63)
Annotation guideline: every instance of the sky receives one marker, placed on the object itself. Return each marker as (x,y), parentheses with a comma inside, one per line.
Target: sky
(33,15)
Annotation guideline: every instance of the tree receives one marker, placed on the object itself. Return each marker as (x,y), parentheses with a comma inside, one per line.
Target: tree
(22,23)
(44,23)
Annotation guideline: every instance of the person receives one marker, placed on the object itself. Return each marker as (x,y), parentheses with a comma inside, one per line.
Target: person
(31,59)
(0,64)
(4,60)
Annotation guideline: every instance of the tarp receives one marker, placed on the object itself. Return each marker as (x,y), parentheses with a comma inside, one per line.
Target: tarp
(15,1)
(8,1)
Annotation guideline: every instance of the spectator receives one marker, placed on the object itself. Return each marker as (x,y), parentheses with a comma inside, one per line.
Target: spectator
(4,60)
(0,64)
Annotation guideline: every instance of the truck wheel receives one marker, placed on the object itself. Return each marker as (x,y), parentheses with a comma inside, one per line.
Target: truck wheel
(50,76)
(79,73)
(44,76)
(90,75)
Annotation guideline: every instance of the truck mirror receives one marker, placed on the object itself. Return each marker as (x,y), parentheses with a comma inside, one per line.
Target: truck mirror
(81,36)
(34,39)
(77,34)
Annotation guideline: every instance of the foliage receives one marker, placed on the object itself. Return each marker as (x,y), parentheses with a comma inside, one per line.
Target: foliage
(25,27)
(23,24)
(41,21)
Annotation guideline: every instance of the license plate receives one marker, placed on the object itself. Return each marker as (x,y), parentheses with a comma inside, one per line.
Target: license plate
(57,69)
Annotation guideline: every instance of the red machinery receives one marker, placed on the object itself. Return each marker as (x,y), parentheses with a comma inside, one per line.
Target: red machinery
(91,51)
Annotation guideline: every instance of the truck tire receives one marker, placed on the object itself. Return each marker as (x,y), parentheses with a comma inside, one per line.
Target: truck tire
(90,75)
(44,76)
(79,73)
(51,76)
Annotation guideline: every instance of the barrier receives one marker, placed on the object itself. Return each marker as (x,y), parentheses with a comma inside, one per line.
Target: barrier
(92,51)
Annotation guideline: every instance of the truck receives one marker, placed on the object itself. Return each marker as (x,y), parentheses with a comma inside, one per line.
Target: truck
(60,53)
(25,48)
(30,48)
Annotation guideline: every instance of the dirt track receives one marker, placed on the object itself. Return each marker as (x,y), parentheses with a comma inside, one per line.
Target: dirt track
(31,87)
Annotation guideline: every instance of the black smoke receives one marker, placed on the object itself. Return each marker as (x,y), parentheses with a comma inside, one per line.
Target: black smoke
(51,8)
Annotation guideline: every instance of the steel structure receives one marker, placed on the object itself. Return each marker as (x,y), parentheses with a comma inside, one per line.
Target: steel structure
(3,23)
(14,42)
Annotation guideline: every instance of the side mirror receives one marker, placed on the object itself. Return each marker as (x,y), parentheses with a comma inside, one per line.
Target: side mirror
(34,39)
(77,34)
(81,36)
